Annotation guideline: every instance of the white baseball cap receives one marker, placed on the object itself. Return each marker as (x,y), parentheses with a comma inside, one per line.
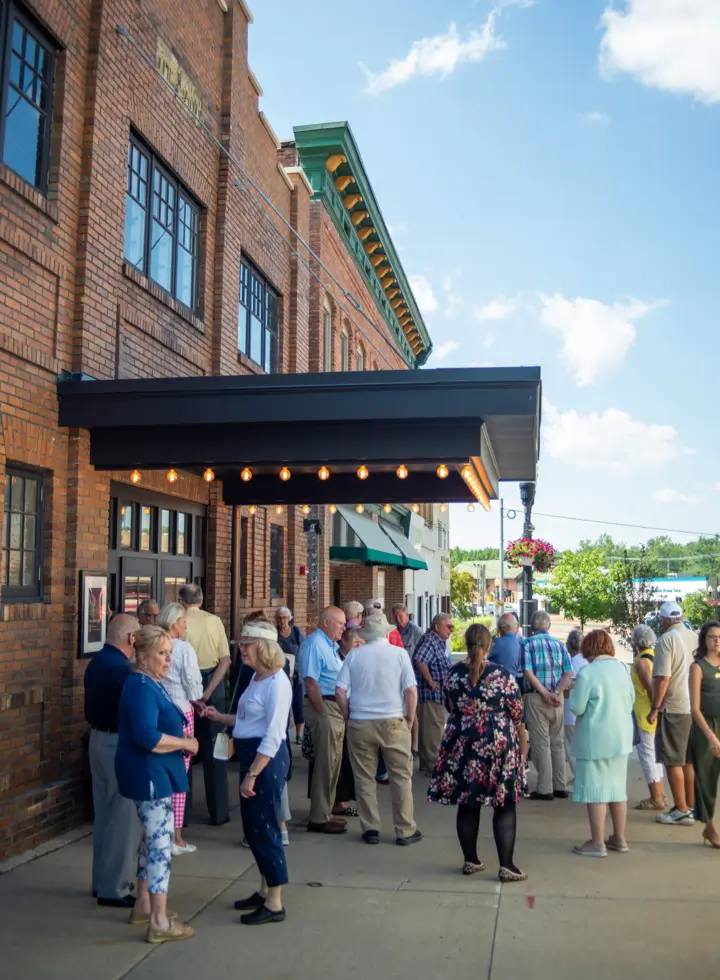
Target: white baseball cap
(670,610)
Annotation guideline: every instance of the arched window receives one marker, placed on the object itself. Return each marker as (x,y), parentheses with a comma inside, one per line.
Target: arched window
(345,349)
(327,335)
(360,359)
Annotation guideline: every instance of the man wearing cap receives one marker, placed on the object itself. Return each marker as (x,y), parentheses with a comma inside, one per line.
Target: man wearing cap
(377,694)
(320,665)
(374,606)
(353,613)
(674,653)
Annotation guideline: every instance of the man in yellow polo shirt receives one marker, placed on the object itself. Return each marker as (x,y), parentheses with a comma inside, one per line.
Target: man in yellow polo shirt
(206,634)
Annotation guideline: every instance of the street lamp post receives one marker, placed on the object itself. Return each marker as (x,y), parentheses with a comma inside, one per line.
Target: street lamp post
(527,496)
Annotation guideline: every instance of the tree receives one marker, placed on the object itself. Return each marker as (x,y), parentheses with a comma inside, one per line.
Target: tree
(633,595)
(697,609)
(462,592)
(581,586)
(472,554)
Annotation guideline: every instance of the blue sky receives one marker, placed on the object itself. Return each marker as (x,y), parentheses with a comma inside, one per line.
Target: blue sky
(550,174)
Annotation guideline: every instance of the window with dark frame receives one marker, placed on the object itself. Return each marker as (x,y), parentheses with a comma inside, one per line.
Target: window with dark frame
(276,560)
(22,535)
(162,226)
(27,67)
(258,326)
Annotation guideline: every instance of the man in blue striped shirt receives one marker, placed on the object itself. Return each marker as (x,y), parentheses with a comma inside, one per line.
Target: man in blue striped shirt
(545,664)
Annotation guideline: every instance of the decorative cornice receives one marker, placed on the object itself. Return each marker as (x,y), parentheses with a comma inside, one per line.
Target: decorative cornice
(302,175)
(246,10)
(283,173)
(254,82)
(332,162)
(266,123)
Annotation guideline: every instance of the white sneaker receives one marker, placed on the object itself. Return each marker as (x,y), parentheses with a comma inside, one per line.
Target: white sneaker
(183,849)
(676,817)
(285,838)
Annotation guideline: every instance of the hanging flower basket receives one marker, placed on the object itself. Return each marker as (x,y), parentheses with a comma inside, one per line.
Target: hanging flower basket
(531,551)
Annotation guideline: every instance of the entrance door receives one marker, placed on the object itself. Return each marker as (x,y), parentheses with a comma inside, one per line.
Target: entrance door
(174,574)
(138,582)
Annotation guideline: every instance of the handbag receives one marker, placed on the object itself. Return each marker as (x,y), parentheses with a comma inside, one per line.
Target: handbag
(636,729)
(223,748)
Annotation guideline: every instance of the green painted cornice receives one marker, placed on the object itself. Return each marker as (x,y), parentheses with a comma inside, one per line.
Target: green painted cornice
(315,145)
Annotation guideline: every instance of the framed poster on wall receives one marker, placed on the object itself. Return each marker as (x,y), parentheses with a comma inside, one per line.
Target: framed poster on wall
(93,612)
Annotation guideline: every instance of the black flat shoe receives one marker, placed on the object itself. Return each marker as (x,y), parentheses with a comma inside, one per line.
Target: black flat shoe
(561,794)
(412,839)
(547,797)
(262,915)
(255,901)
(371,837)
(126,902)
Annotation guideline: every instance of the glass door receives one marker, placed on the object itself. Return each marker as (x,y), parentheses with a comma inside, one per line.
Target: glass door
(174,574)
(138,583)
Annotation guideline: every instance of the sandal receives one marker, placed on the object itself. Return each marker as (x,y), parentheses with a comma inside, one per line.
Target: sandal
(470,868)
(506,875)
(649,804)
(174,934)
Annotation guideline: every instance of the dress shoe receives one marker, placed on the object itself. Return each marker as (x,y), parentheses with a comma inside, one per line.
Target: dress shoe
(561,794)
(126,902)
(412,839)
(371,837)
(261,916)
(541,796)
(255,901)
(329,827)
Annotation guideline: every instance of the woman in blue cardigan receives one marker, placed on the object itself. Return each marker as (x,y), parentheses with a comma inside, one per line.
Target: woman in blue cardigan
(150,767)
(602,700)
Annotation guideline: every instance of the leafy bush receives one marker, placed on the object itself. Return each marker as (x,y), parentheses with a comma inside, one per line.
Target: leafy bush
(457,640)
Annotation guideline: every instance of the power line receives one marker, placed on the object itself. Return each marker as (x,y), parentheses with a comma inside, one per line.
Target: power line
(642,527)
(124,33)
(661,558)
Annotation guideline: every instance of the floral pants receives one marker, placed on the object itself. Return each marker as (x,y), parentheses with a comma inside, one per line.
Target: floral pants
(155,855)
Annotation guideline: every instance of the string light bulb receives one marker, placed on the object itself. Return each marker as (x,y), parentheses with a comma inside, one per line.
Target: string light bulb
(388,508)
(246,475)
(333,509)
(252,510)
(443,508)
(324,473)
(401,472)
(135,476)
(305,508)
(442,471)
(360,509)
(466,472)
(171,476)
(208,475)
(285,474)
(279,509)
(471,508)
(363,473)
(415,508)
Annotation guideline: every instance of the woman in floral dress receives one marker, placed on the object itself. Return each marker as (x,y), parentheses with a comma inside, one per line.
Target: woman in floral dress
(480,762)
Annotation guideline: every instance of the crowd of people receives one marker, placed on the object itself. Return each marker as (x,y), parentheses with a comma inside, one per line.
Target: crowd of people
(365,697)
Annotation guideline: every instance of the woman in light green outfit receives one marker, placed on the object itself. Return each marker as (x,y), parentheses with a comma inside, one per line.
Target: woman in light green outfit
(602,702)
(704,745)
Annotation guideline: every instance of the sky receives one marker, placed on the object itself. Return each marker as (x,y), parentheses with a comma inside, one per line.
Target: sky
(549,170)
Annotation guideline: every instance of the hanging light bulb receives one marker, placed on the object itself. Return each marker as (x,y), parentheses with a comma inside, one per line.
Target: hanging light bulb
(443,508)
(252,510)
(333,509)
(323,473)
(466,472)
(388,508)
(279,509)
(442,471)
(401,472)
(171,476)
(305,508)
(246,475)
(363,473)
(208,475)
(360,509)
(415,508)
(135,476)
(471,508)
(285,474)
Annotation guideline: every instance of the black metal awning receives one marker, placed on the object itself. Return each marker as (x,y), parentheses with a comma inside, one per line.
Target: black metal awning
(486,420)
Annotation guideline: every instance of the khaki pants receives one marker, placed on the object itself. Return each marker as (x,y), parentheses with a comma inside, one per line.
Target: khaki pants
(392,735)
(547,743)
(431,725)
(327,731)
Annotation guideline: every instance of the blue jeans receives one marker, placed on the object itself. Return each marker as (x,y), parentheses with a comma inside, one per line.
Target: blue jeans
(260,813)
(155,855)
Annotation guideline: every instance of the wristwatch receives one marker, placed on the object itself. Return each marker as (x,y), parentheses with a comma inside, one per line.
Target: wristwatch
(253,775)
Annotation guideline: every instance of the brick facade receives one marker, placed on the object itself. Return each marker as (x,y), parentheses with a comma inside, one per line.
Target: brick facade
(70,302)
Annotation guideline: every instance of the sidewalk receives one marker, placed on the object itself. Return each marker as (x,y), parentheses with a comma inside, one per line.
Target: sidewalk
(387,911)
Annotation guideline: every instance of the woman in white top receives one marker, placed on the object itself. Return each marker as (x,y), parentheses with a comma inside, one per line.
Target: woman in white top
(260,729)
(574,642)
(184,685)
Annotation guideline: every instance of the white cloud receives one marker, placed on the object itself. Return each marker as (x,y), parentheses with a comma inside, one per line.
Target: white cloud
(596,337)
(497,309)
(437,55)
(424,295)
(452,300)
(597,118)
(666,44)
(668,496)
(443,350)
(610,440)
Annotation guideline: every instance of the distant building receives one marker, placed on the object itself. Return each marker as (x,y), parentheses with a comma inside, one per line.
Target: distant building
(675,587)
(487,578)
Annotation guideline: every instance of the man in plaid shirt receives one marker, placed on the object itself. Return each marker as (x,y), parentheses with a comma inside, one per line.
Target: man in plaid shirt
(432,665)
(547,670)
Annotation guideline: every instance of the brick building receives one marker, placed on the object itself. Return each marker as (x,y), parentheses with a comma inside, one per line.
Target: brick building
(133,247)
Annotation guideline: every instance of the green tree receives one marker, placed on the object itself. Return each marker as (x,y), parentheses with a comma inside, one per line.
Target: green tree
(581,586)
(472,554)
(697,610)
(633,595)
(462,592)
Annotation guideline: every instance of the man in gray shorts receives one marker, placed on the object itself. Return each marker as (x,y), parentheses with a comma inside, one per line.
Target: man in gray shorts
(674,653)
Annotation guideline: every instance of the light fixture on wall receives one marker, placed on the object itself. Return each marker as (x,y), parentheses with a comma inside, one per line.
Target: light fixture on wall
(442,471)
(363,473)
(324,473)
(471,508)
(360,509)
(332,509)
(246,475)
(401,472)
(135,476)
(388,508)
(208,475)
(285,474)
(252,510)
(305,508)
(171,476)
(279,509)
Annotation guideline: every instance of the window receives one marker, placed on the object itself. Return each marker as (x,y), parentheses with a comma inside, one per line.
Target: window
(165,531)
(345,350)
(27,64)
(360,360)
(22,535)
(327,336)
(127,525)
(147,529)
(257,319)
(182,542)
(162,224)
(276,560)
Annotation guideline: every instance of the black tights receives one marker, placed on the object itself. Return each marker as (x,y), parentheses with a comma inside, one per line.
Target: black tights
(504,829)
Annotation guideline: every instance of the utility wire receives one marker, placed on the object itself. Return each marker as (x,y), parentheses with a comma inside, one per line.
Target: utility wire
(661,559)
(643,527)
(124,33)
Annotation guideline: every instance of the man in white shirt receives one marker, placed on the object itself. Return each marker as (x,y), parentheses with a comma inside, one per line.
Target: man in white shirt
(377,694)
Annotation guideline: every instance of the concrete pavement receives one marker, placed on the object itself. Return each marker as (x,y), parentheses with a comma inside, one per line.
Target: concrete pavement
(387,911)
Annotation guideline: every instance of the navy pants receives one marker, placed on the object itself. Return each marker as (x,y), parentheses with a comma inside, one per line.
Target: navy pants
(260,812)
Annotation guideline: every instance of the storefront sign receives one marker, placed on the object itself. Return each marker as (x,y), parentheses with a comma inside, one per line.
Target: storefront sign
(169,67)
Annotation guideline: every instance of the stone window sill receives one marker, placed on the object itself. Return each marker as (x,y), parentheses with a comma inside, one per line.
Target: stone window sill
(29,193)
(162,296)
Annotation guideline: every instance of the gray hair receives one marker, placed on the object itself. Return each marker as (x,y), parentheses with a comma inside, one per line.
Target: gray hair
(574,641)
(507,623)
(643,638)
(439,618)
(145,605)
(190,595)
(170,614)
(284,611)
(540,620)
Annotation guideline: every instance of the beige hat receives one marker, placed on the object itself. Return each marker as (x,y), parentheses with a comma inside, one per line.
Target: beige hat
(376,627)
(370,604)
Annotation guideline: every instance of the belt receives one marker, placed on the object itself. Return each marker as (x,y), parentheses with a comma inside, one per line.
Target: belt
(329,697)
(105,731)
